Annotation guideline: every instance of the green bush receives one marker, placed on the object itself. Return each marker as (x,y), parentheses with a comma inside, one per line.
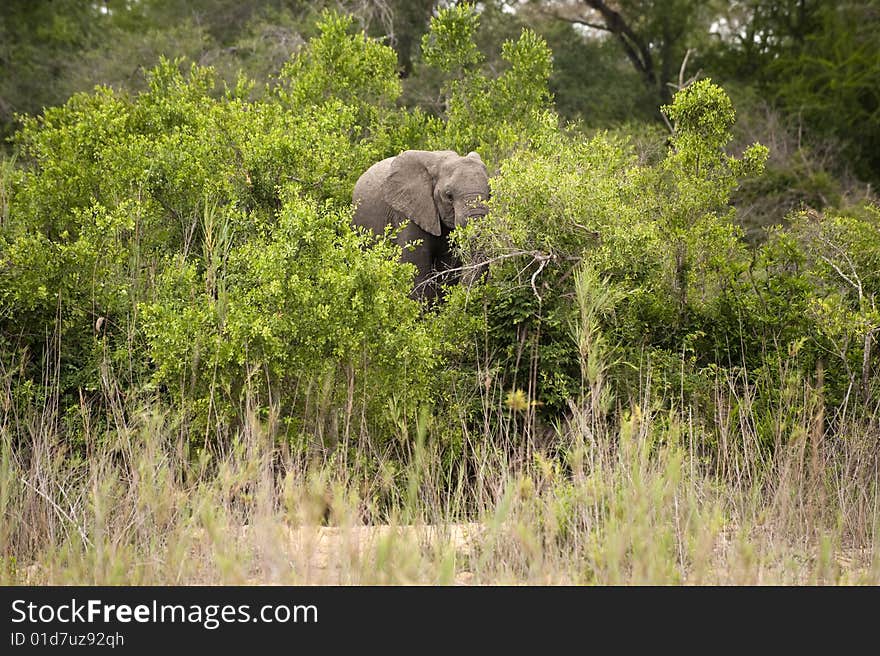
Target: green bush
(663,235)
(193,242)
(264,323)
(118,196)
(493,114)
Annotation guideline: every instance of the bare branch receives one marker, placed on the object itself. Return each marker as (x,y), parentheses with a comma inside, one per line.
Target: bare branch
(537,256)
(580,21)
(576,19)
(855,281)
(543,261)
(636,49)
(668,124)
(682,82)
(684,63)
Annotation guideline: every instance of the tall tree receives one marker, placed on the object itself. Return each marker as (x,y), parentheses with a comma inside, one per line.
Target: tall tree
(818,61)
(37,40)
(829,75)
(410,22)
(655,35)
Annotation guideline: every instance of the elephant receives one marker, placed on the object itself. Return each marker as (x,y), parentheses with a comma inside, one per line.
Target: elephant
(436,191)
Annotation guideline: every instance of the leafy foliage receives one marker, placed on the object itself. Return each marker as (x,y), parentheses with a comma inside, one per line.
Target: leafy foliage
(493,115)
(265,319)
(191,242)
(145,215)
(831,79)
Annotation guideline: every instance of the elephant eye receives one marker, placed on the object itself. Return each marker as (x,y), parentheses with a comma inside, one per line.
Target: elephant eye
(448,194)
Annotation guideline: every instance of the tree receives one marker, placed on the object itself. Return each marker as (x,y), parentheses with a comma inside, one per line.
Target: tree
(410,22)
(655,35)
(828,74)
(814,60)
(37,40)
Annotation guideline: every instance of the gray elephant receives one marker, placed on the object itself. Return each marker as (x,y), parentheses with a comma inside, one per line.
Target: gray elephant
(436,191)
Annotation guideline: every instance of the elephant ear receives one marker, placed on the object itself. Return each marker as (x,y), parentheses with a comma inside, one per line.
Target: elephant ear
(409,189)
(474,155)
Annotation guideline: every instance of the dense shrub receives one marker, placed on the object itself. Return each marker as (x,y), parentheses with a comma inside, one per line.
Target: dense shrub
(193,242)
(263,323)
(128,207)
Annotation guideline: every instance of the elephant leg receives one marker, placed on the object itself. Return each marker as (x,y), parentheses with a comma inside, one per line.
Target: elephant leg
(445,260)
(420,255)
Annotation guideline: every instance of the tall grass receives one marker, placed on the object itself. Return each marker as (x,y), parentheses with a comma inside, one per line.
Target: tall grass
(630,505)
(623,492)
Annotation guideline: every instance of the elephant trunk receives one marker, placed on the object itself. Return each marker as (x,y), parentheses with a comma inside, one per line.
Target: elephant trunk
(472,206)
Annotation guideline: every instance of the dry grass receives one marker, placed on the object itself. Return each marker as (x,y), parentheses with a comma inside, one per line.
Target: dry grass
(634,506)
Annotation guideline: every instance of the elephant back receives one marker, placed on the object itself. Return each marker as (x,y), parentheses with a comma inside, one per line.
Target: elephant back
(371,210)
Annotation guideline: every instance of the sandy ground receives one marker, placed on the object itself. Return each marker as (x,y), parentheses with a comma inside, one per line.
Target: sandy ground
(398,554)
(330,554)
(271,553)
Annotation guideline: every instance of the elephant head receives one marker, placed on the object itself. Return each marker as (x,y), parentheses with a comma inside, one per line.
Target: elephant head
(438,190)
